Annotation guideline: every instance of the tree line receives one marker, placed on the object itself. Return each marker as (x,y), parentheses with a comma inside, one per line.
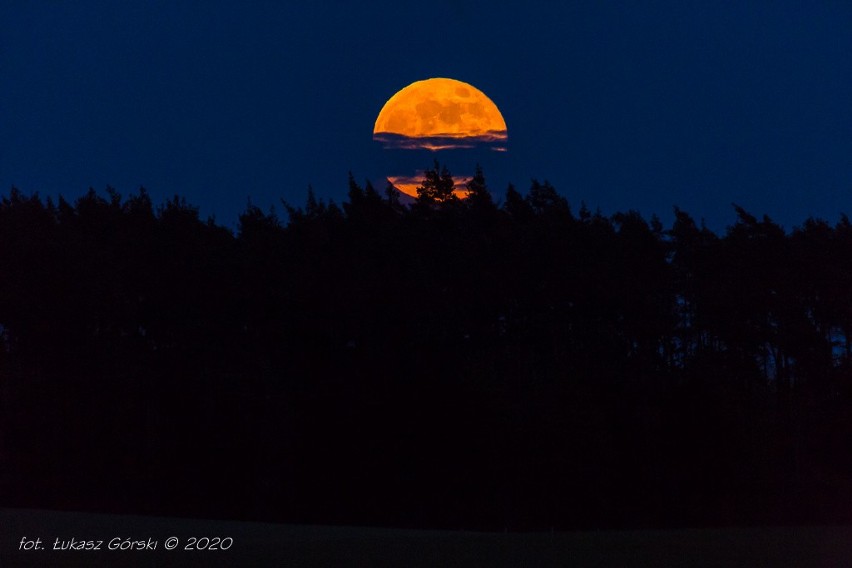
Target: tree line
(459,363)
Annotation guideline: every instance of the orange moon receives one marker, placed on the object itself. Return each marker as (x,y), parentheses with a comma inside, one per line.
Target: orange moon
(439,114)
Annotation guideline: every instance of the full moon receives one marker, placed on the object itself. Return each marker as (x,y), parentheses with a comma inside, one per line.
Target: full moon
(439,114)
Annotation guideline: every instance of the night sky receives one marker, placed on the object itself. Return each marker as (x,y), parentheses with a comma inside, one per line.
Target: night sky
(624,105)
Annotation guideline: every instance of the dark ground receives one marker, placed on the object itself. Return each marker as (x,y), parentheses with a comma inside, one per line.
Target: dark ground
(259,544)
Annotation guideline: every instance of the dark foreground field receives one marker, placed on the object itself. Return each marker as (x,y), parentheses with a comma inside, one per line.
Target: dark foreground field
(259,544)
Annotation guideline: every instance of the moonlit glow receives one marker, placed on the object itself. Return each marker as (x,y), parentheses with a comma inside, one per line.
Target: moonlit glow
(440,114)
(409,184)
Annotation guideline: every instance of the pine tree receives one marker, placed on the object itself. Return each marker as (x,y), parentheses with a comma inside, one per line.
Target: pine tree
(437,186)
(478,196)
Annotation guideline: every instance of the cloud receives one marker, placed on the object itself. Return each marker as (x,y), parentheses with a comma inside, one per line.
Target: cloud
(493,139)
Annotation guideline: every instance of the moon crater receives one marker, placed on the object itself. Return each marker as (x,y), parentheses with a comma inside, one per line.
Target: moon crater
(440,113)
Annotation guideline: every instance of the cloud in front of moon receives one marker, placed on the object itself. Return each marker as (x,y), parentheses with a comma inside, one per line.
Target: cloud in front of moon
(440,114)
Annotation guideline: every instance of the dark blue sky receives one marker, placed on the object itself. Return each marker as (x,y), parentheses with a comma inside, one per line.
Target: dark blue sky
(624,105)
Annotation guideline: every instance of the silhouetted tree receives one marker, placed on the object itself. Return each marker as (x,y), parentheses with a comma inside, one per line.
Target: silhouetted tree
(437,186)
(478,197)
(516,206)
(544,200)
(446,364)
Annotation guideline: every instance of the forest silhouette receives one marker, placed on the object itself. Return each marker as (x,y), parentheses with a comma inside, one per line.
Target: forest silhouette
(454,364)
